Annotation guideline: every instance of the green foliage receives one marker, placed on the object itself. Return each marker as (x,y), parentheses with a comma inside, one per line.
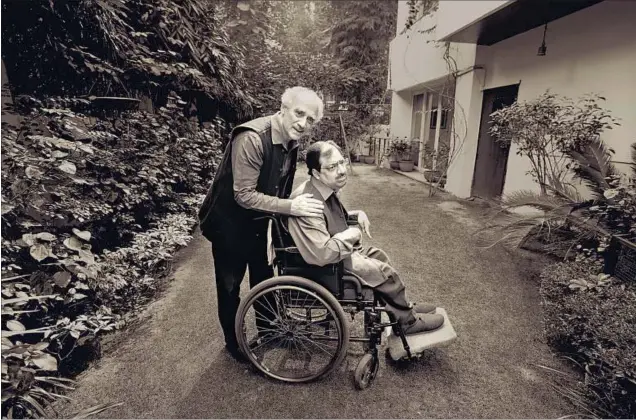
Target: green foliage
(360,43)
(419,9)
(399,149)
(318,45)
(611,211)
(123,48)
(549,128)
(591,317)
(617,212)
(561,137)
(93,209)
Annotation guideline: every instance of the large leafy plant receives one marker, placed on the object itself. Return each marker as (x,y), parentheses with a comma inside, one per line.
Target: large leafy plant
(546,129)
(92,211)
(124,48)
(610,210)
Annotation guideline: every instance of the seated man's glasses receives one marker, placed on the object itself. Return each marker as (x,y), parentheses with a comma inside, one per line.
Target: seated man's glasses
(333,166)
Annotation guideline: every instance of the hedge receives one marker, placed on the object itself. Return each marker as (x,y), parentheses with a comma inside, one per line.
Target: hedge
(94,205)
(592,318)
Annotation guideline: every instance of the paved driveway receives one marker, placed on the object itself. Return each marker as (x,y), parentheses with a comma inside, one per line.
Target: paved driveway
(173,365)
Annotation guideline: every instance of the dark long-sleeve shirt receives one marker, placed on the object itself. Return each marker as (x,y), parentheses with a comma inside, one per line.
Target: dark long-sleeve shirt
(247,159)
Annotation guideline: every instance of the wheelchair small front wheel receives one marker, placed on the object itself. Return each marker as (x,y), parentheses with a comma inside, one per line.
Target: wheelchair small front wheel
(365,371)
(292,329)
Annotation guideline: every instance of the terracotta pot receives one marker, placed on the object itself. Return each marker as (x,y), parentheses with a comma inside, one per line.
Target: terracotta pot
(407,165)
(369,160)
(394,164)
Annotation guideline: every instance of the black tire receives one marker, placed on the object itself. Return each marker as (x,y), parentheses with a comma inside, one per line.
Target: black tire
(320,295)
(365,371)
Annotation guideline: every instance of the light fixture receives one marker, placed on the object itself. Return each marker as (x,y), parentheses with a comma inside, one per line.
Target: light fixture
(543,48)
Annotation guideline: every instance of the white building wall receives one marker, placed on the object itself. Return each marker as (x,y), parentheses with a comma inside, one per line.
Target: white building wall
(416,58)
(468,98)
(402,16)
(401,103)
(590,51)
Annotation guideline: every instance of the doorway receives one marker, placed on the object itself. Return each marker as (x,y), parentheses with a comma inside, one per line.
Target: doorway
(492,157)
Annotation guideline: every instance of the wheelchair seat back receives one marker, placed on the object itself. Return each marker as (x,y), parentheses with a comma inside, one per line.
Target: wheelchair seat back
(290,262)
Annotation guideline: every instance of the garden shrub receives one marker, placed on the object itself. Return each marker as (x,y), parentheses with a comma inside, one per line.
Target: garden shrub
(93,208)
(592,317)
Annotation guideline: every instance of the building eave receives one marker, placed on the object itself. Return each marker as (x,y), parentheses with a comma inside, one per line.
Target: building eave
(513,18)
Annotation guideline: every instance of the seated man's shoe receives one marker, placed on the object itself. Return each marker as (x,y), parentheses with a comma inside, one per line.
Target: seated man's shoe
(424,323)
(424,308)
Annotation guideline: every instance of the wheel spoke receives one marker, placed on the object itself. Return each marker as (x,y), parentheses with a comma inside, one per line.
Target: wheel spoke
(290,323)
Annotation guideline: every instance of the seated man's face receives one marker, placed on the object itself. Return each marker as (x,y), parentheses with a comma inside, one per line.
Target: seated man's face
(333,169)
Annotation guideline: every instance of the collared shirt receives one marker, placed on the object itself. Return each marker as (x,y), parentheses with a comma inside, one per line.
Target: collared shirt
(247,159)
(311,235)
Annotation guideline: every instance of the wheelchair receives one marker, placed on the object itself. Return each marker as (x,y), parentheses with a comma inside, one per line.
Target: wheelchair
(296,327)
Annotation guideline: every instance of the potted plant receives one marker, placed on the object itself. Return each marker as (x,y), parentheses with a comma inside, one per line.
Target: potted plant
(391,154)
(370,158)
(401,148)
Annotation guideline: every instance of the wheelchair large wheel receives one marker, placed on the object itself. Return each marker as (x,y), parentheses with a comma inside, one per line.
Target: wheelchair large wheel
(292,329)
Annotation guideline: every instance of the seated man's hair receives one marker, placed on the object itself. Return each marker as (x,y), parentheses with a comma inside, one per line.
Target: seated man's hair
(290,95)
(318,149)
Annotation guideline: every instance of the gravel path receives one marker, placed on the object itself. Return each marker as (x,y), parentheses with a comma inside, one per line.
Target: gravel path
(173,365)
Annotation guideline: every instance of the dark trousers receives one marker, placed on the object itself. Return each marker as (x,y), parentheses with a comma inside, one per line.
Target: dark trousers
(231,258)
(374,266)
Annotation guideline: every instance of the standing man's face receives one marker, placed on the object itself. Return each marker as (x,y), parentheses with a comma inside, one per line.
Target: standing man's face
(300,117)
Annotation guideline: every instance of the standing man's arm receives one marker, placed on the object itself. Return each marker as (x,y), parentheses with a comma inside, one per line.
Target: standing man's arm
(247,160)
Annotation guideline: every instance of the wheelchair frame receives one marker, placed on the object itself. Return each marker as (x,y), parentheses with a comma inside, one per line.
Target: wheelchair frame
(346,289)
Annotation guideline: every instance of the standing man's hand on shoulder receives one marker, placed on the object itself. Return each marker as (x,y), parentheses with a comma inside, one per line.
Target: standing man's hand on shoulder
(306,206)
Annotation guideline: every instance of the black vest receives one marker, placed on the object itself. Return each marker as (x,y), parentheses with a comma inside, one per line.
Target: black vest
(220,213)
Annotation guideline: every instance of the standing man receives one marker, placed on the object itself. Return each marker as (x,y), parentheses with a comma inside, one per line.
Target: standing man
(255,175)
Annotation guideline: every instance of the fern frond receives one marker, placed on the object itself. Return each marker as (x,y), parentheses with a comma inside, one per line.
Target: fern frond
(543,202)
(594,166)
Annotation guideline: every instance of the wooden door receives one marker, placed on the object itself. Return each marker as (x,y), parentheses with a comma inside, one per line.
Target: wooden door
(492,156)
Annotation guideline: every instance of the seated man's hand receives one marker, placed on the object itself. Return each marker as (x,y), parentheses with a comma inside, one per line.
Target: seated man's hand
(351,235)
(363,222)
(305,206)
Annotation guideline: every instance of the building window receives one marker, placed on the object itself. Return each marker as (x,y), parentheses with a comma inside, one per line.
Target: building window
(434,119)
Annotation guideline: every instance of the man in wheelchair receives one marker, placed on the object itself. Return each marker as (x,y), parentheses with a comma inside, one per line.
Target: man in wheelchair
(329,240)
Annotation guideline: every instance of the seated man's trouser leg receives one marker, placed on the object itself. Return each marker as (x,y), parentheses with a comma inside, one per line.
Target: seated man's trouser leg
(231,259)
(377,273)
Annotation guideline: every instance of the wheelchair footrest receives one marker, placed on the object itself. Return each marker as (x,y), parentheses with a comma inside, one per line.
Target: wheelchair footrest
(420,342)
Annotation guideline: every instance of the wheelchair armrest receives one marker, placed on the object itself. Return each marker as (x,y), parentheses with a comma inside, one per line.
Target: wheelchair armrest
(354,279)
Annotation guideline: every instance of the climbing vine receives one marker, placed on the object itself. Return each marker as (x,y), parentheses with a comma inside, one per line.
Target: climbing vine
(419,9)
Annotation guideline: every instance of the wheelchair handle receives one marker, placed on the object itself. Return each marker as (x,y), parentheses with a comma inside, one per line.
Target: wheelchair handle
(275,223)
